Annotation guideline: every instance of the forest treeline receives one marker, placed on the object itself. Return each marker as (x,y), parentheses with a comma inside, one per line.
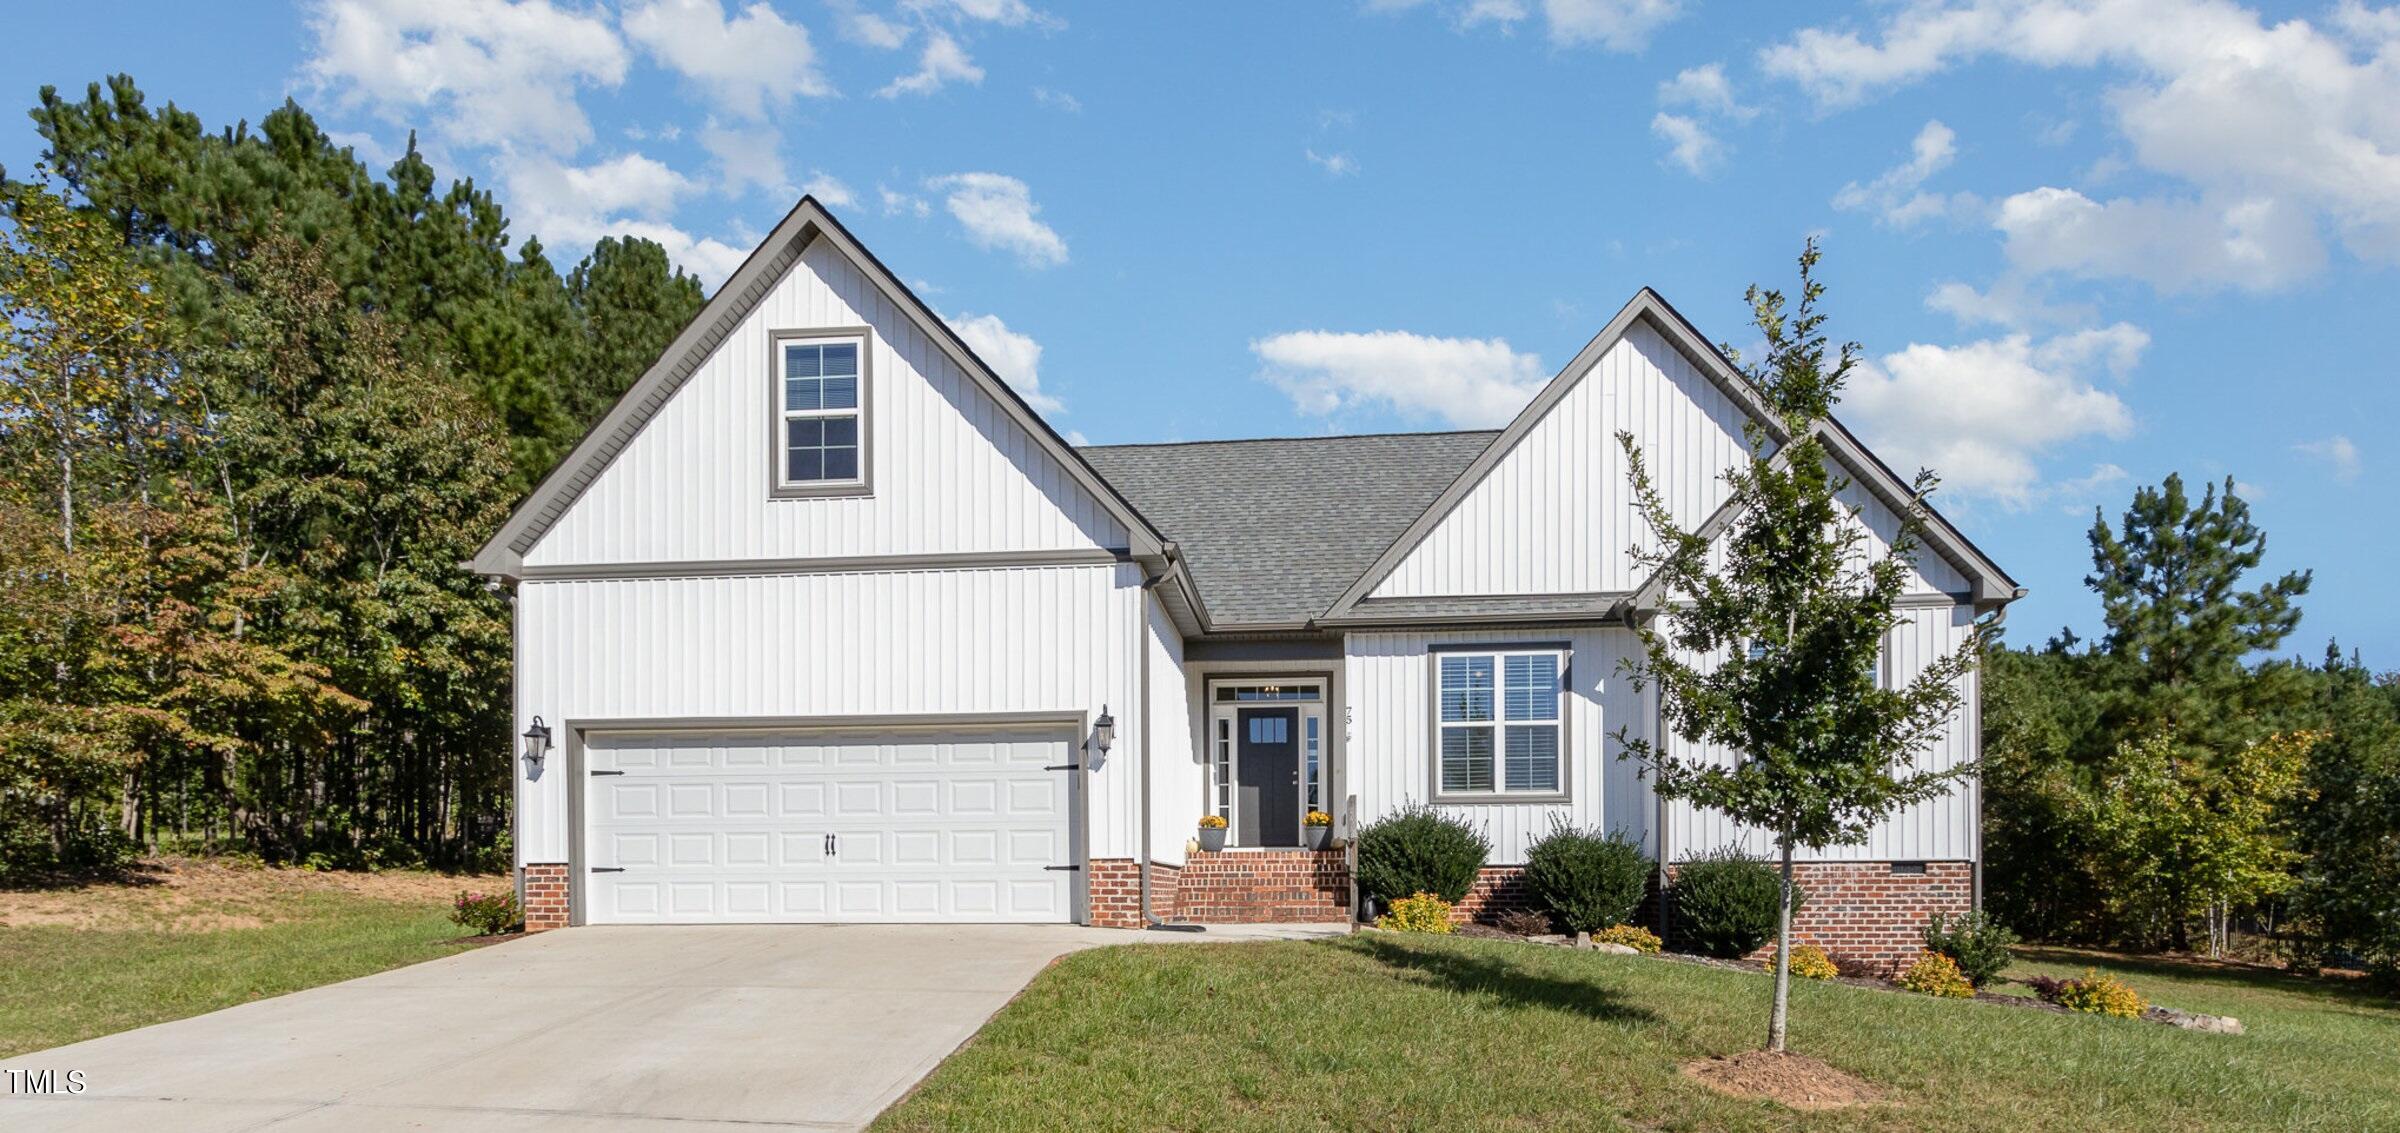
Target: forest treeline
(258,403)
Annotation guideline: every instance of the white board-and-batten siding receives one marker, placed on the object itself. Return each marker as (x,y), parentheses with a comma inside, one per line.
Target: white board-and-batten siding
(1389,756)
(1391,761)
(951,471)
(1944,829)
(1051,640)
(1556,515)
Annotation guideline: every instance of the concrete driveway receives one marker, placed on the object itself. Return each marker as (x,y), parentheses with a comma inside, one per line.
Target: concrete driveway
(690,1029)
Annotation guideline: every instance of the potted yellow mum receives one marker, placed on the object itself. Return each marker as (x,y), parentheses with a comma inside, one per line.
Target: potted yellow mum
(1212,832)
(1316,829)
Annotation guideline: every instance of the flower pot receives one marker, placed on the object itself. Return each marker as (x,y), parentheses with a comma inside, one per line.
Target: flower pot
(1212,838)
(1317,837)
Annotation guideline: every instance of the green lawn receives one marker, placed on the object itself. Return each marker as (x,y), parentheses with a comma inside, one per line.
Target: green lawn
(80,964)
(1382,1031)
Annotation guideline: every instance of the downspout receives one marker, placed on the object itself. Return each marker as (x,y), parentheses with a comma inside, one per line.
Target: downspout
(1141,861)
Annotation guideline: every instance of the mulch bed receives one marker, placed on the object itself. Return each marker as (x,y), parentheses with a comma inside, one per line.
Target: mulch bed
(1794,1080)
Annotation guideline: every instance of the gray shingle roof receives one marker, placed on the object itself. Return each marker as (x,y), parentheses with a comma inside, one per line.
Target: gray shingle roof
(1274,530)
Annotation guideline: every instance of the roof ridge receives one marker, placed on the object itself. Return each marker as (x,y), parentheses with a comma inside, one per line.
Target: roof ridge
(1322,437)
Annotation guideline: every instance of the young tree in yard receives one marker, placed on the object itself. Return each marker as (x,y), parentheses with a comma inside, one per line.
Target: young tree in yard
(2179,837)
(1772,653)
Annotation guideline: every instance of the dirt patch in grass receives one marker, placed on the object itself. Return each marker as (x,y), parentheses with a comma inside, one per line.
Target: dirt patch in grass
(1794,1080)
(203,895)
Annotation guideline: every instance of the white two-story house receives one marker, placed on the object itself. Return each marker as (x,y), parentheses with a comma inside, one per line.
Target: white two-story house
(822,622)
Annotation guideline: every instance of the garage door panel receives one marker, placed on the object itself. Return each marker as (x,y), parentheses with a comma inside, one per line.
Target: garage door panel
(923,826)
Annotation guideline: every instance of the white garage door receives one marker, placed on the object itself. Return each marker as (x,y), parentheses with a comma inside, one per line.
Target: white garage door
(950,824)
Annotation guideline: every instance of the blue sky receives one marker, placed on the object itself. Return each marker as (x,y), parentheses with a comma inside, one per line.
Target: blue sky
(2084,244)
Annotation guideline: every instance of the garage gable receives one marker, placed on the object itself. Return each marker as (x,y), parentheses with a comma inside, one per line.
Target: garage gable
(690,468)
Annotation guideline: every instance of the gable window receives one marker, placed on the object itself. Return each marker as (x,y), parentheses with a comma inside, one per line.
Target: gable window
(820,391)
(1497,722)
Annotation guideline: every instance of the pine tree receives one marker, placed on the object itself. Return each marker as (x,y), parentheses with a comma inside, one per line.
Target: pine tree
(633,303)
(1774,654)
(2181,628)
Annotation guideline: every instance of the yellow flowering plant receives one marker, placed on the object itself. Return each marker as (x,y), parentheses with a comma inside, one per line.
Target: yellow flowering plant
(1423,912)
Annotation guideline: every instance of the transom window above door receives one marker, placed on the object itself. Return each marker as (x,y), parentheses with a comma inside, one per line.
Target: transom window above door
(1498,723)
(821,403)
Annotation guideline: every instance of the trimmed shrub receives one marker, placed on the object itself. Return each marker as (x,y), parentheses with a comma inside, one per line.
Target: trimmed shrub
(1938,975)
(1636,937)
(1589,882)
(1725,901)
(1421,912)
(1523,922)
(1419,850)
(2094,994)
(487,913)
(1809,962)
(1975,942)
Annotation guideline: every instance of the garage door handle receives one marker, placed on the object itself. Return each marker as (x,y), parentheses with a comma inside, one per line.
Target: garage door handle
(608,869)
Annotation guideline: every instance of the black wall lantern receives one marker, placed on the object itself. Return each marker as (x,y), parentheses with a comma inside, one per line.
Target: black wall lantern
(537,745)
(1104,731)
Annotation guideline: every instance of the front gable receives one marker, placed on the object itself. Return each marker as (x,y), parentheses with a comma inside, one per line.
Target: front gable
(1547,509)
(1555,514)
(684,469)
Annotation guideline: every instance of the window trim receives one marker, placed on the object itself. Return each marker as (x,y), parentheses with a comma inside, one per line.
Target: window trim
(777,487)
(1499,794)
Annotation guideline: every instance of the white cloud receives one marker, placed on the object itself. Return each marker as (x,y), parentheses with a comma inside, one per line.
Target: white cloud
(2257,244)
(1007,13)
(748,65)
(1617,25)
(1016,357)
(897,203)
(829,190)
(998,213)
(2339,454)
(2010,303)
(942,62)
(491,72)
(1463,381)
(1058,100)
(1897,197)
(1705,89)
(628,183)
(1689,143)
(1982,413)
(861,26)
(2080,494)
(1613,25)
(746,159)
(1336,164)
(1505,13)
(2279,130)
(572,207)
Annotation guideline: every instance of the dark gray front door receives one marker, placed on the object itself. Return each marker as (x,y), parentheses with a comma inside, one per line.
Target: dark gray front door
(1266,777)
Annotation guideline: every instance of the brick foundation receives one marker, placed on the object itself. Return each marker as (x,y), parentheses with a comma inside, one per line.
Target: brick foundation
(1497,889)
(545,896)
(1864,911)
(1116,892)
(1264,887)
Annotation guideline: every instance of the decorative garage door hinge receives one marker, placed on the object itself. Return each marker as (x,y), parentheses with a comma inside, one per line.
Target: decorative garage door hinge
(608,869)
(1065,867)
(608,773)
(1064,767)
